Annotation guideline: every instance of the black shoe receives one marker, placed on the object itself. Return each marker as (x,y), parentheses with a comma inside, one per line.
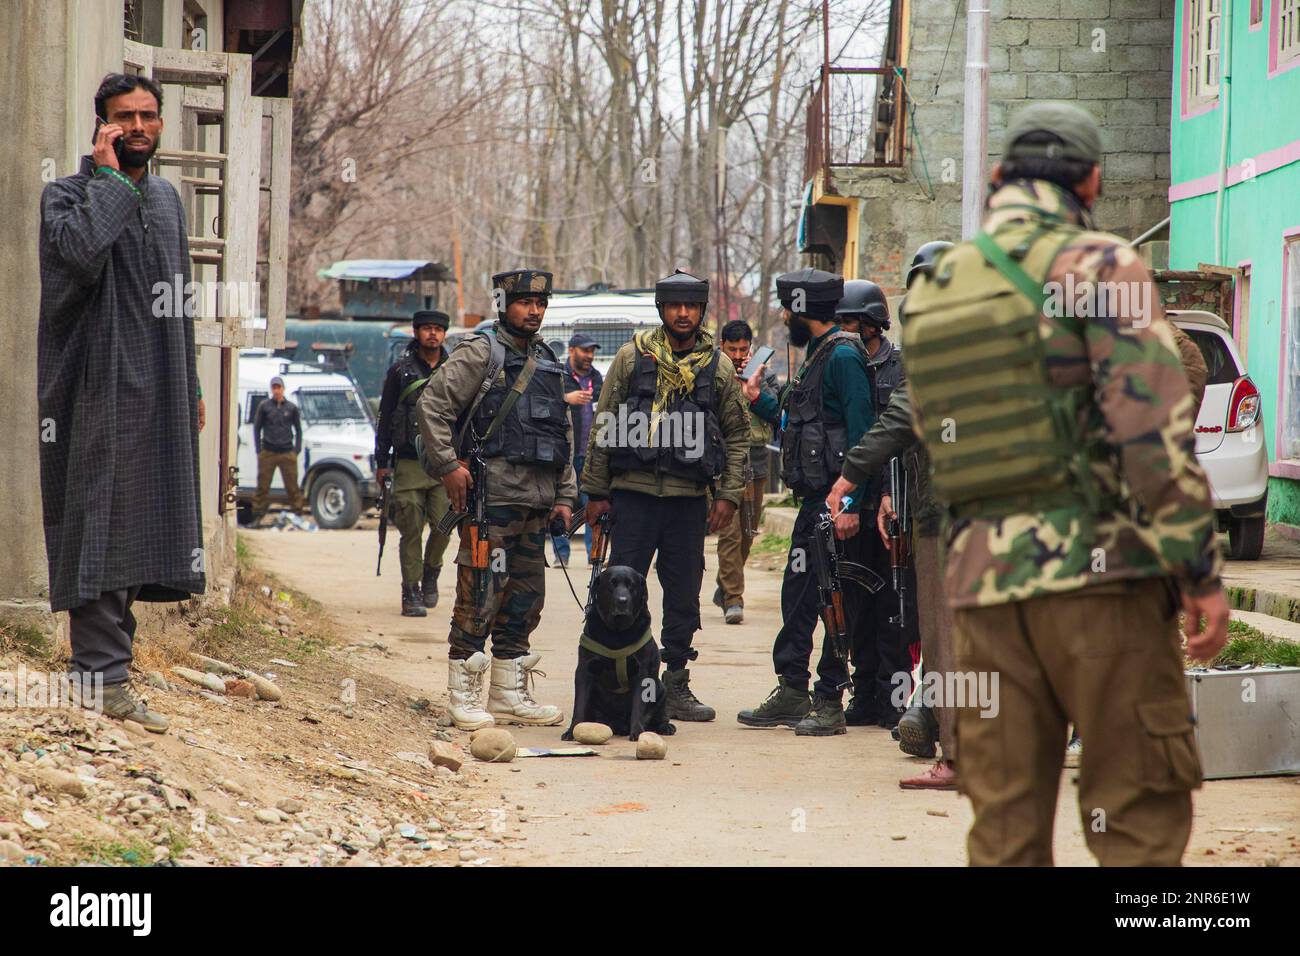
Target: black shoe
(861,712)
(717,596)
(429,587)
(412,601)
(918,731)
(785,706)
(682,704)
(890,716)
(825,719)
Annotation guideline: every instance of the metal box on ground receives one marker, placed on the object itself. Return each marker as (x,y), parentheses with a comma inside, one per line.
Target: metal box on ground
(1247,720)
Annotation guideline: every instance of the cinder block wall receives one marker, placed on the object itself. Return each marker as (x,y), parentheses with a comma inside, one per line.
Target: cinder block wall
(1112,57)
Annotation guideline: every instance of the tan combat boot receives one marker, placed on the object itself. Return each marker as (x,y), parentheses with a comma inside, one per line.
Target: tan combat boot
(465,692)
(509,700)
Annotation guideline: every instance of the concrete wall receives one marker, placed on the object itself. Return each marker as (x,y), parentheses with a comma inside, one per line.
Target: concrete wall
(54,55)
(1038,49)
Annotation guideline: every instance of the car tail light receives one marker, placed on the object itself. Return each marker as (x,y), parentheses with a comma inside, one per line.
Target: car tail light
(1243,407)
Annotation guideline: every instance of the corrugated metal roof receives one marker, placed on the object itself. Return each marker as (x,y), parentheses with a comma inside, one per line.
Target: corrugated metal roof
(376,268)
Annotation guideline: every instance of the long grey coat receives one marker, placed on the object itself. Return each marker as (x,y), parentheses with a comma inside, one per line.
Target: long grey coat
(118,392)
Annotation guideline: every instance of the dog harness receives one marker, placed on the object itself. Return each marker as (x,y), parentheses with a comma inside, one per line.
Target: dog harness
(619,657)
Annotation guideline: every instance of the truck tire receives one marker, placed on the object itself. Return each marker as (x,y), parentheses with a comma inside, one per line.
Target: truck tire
(335,500)
(1245,538)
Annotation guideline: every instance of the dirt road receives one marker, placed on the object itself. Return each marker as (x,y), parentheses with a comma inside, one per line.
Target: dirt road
(726,794)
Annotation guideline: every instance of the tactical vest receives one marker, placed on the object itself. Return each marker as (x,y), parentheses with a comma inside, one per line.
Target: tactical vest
(813,446)
(411,379)
(535,430)
(1002,438)
(667,452)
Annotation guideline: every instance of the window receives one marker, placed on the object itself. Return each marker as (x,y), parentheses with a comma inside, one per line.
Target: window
(330,405)
(1289,430)
(1256,13)
(1288,31)
(1203,24)
(254,399)
(1220,367)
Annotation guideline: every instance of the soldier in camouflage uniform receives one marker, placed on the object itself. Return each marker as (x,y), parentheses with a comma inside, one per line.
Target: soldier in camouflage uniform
(526,444)
(1061,442)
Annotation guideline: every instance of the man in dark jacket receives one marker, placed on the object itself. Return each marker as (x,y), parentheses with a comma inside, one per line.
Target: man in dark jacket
(418,499)
(277,440)
(582,385)
(118,395)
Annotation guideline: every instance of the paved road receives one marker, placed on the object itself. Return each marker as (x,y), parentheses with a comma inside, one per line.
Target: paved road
(726,794)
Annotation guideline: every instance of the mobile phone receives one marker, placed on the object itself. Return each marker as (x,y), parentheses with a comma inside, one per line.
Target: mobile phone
(762,355)
(117,143)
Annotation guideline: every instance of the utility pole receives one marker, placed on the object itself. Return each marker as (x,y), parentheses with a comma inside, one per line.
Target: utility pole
(976,119)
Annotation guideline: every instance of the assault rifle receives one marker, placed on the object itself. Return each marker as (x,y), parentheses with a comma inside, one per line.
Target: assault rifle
(832,571)
(900,535)
(385,493)
(478,530)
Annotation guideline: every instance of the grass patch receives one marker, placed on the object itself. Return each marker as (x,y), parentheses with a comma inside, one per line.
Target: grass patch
(771,544)
(116,852)
(25,639)
(1252,647)
(243,554)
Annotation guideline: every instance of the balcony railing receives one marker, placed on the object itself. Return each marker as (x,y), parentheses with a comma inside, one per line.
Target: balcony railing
(856,118)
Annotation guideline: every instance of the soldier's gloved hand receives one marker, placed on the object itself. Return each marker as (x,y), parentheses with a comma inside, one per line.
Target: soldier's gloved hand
(884,515)
(458,483)
(1205,642)
(720,515)
(847,525)
(561,515)
(597,508)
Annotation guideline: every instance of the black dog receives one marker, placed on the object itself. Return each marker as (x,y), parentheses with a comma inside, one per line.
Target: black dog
(617,681)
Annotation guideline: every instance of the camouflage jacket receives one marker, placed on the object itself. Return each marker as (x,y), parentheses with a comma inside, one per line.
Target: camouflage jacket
(1142,410)
(448,395)
(733,416)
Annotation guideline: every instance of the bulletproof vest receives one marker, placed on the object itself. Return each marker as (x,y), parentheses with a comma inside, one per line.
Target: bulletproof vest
(406,426)
(701,458)
(535,430)
(889,374)
(813,445)
(1002,438)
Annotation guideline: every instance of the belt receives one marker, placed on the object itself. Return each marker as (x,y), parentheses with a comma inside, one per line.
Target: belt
(619,656)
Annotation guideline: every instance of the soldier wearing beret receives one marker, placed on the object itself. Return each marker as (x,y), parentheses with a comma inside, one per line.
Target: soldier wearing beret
(418,499)
(1061,444)
(502,391)
(823,412)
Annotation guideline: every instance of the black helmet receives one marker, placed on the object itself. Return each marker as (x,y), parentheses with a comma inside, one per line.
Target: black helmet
(865,299)
(924,258)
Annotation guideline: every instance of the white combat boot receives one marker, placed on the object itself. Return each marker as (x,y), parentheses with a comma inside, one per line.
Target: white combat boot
(509,700)
(465,692)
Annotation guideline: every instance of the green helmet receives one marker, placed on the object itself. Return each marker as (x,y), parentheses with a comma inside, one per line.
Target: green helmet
(1080,138)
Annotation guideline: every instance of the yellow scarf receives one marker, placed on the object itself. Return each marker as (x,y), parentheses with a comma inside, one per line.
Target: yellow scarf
(676,376)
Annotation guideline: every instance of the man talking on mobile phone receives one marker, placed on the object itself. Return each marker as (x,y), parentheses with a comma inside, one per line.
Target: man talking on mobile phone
(118,394)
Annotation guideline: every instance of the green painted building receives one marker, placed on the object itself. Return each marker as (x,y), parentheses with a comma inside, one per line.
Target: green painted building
(1235,196)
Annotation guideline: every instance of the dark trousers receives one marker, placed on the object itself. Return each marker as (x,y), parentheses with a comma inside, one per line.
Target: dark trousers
(881,649)
(673,527)
(794,642)
(101,632)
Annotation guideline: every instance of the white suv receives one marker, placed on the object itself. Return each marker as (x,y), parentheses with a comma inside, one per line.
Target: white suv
(1230,435)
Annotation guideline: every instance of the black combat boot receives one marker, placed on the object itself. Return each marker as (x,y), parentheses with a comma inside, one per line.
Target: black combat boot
(861,711)
(917,731)
(785,706)
(429,587)
(682,704)
(825,719)
(412,602)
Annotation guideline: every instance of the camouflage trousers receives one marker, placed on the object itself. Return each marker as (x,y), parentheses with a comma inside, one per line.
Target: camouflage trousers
(1107,658)
(419,500)
(510,605)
